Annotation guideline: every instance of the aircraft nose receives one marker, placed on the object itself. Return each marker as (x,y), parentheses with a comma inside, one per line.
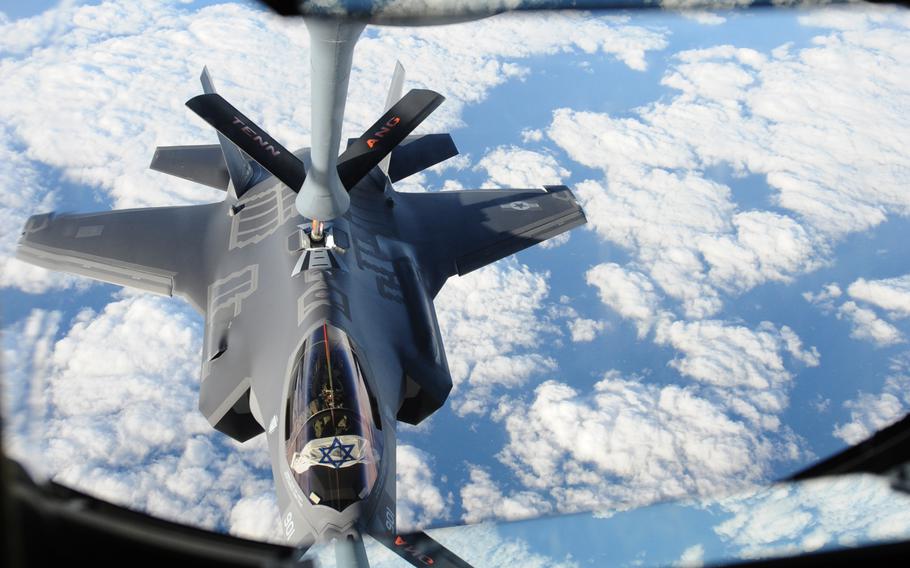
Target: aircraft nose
(333,445)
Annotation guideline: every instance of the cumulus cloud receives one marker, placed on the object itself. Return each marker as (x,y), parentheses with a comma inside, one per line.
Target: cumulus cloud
(692,557)
(483,545)
(787,520)
(750,112)
(747,365)
(531,135)
(631,294)
(27,347)
(28,190)
(627,443)
(868,326)
(490,326)
(556,241)
(510,166)
(420,502)
(483,499)
(118,419)
(871,412)
(825,297)
(890,294)
(583,329)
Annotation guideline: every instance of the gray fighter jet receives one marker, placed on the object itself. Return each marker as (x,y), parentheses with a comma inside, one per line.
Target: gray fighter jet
(316,279)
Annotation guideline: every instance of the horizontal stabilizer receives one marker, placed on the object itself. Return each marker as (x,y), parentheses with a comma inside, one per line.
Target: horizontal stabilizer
(201,164)
(418,153)
(389,131)
(250,138)
(419,549)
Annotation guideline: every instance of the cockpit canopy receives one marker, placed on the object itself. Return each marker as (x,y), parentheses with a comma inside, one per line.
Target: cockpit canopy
(332,423)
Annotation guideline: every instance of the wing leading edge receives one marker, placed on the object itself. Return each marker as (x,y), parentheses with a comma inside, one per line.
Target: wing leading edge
(155,249)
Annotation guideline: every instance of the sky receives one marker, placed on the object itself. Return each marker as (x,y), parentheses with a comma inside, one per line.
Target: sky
(736,307)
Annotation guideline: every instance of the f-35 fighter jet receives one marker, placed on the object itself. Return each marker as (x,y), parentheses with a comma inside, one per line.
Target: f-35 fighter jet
(316,279)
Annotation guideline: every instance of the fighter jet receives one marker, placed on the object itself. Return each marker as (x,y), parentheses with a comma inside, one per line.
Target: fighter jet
(316,280)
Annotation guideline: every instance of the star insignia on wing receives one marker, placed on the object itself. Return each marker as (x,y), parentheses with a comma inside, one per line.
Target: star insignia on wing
(336,454)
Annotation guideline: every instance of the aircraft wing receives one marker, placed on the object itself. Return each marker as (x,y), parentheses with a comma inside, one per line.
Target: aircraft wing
(153,249)
(465,230)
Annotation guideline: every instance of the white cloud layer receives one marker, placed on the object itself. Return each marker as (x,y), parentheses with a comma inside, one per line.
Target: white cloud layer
(490,324)
(624,444)
(751,112)
(420,502)
(110,408)
(890,294)
(871,412)
(788,520)
(513,167)
(583,329)
(483,499)
(868,326)
(692,557)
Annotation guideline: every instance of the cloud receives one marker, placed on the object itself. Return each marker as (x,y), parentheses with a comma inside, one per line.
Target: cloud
(420,503)
(728,355)
(890,294)
(868,326)
(27,347)
(531,135)
(556,241)
(692,557)
(825,297)
(583,329)
(33,192)
(794,346)
(870,412)
(491,329)
(628,443)
(513,167)
(750,112)
(115,410)
(631,294)
(746,366)
(797,518)
(483,545)
(482,500)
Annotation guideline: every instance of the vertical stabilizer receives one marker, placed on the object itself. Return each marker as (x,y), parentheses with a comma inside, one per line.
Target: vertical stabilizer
(396,88)
(238,164)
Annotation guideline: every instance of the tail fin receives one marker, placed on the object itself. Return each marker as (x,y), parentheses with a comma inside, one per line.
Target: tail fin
(396,88)
(380,139)
(238,164)
(251,139)
(419,549)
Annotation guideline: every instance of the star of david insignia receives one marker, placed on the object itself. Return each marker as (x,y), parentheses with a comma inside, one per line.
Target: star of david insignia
(336,454)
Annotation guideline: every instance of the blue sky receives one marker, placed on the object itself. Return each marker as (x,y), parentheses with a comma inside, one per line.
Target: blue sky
(736,307)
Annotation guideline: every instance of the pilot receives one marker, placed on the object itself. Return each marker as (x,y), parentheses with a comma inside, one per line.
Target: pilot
(329,425)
